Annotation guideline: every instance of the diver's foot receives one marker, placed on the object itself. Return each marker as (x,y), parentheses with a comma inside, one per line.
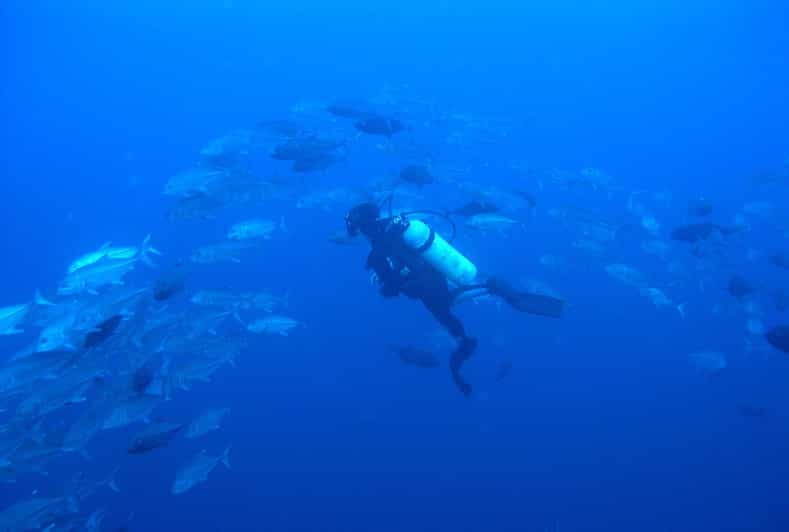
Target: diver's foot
(462,353)
(463,386)
(456,361)
(460,383)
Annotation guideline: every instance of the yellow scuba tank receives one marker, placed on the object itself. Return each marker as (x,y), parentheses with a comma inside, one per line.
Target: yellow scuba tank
(439,253)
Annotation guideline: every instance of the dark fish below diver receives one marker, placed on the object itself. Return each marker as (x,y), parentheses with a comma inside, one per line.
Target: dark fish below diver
(751,411)
(780,301)
(530,199)
(171,282)
(379,125)
(282,128)
(348,110)
(417,357)
(142,378)
(700,208)
(778,337)
(780,260)
(305,148)
(702,231)
(314,163)
(504,370)
(774,176)
(195,206)
(163,290)
(739,287)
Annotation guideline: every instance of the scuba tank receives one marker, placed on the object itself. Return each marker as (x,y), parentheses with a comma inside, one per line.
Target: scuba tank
(438,252)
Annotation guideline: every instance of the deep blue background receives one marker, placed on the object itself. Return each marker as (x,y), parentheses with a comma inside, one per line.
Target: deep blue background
(602,426)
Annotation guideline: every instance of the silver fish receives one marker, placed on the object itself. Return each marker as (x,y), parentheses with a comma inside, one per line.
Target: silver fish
(105,272)
(57,335)
(18,374)
(193,181)
(206,422)
(222,252)
(216,298)
(154,436)
(227,151)
(266,302)
(626,274)
(254,229)
(197,470)
(276,324)
(71,387)
(11,317)
(38,513)
(115,253)
(658,248)
(491,222)
(708,362)
(131,410)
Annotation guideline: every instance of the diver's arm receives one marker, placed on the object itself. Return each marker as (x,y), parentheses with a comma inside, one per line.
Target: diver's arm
(390,281)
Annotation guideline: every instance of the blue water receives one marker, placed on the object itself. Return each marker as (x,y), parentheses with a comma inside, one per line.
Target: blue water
(603,424)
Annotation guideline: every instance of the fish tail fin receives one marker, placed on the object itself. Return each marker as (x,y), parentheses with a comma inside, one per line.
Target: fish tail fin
(146,250)
(111,482)
(681,309)
(226,457)
(41,301)
(163,344)
(282,225)
(37,433)
(161,383)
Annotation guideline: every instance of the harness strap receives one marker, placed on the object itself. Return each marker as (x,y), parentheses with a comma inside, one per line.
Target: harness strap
(429,242)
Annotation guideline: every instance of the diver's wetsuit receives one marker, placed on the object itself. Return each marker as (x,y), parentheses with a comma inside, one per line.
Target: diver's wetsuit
(401,270)
(417,280)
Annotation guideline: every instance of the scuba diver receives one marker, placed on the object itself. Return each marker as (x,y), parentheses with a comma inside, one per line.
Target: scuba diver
(410,258)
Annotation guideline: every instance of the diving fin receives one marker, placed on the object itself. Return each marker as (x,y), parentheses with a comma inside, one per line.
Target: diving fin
(537,304)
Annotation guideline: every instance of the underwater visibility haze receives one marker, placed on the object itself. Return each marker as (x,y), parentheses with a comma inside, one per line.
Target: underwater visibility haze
(383,266)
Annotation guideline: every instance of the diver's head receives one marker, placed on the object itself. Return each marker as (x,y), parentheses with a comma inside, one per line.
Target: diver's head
(362,219)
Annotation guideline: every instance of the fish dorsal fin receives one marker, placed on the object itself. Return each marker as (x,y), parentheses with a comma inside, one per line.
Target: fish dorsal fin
(40,300)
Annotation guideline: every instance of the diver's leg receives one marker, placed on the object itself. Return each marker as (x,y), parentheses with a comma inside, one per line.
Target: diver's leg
(441,309)
(463,352)
(442,312)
